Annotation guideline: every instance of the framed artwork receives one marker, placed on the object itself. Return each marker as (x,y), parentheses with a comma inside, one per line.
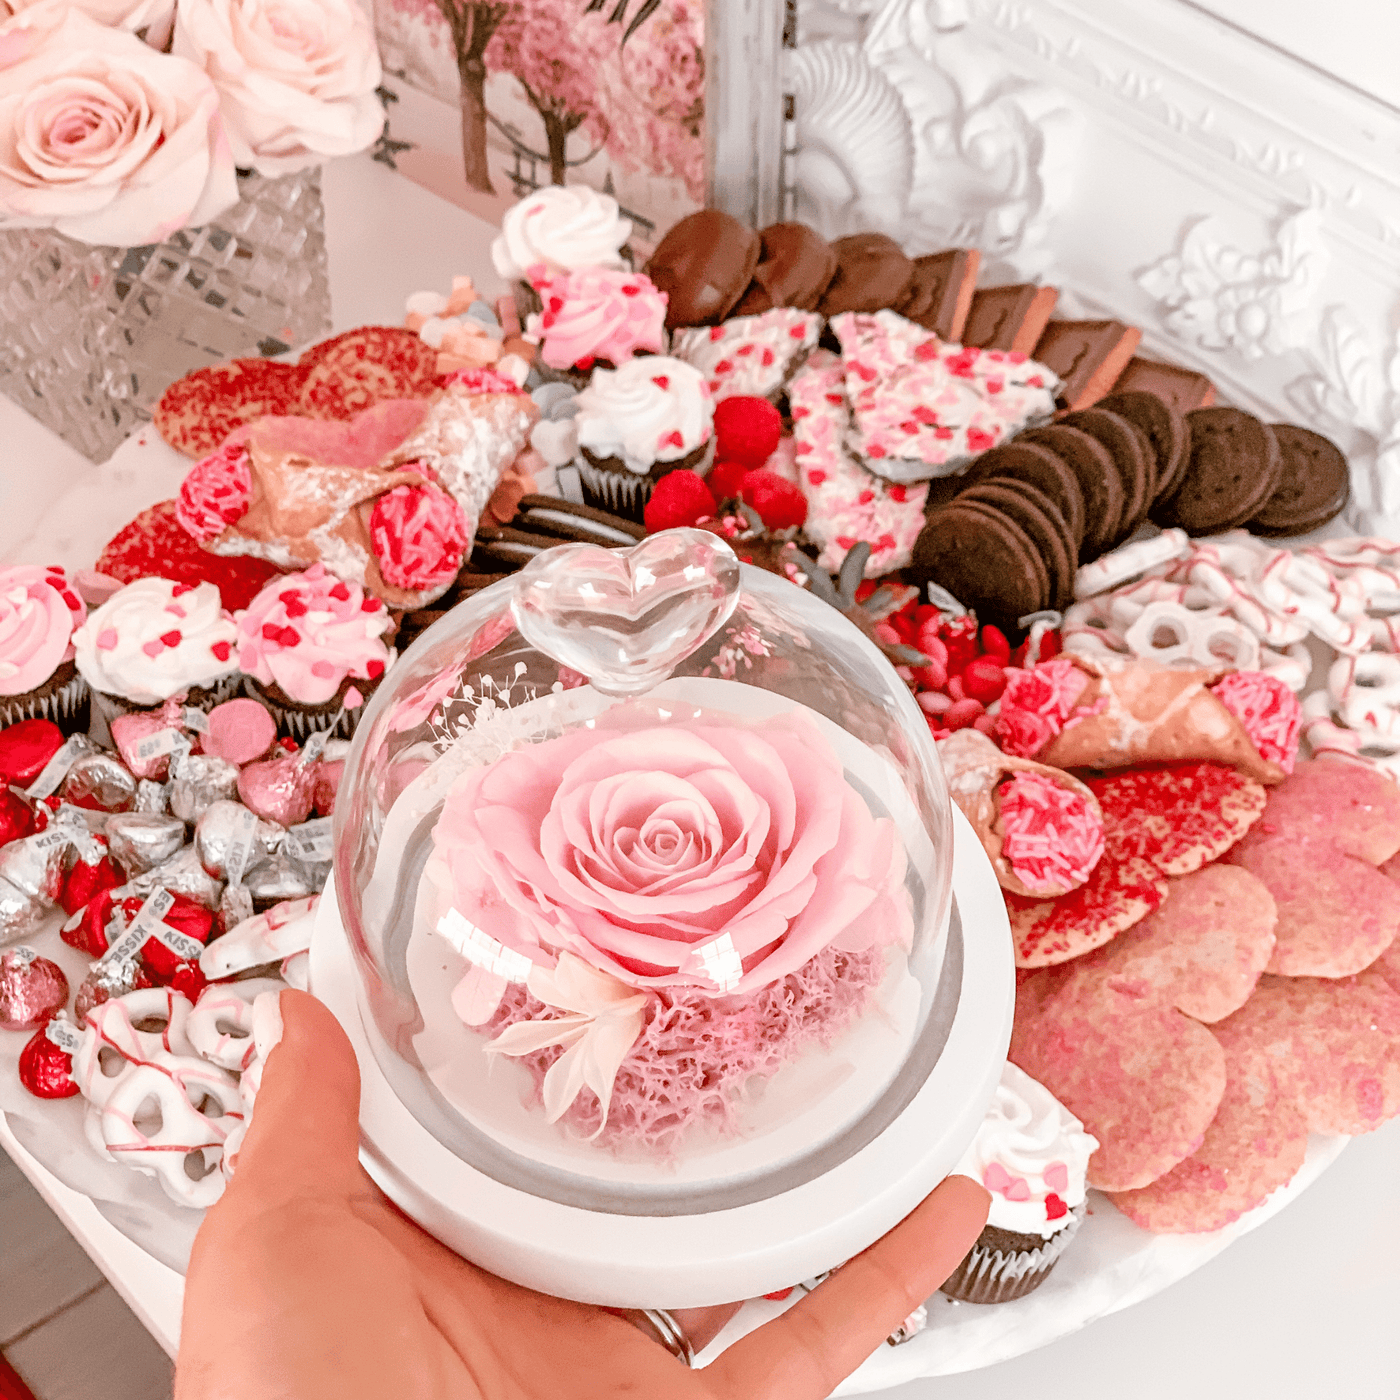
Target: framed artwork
(667,104)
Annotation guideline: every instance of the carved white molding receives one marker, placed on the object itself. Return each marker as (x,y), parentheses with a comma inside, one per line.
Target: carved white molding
(1254,303)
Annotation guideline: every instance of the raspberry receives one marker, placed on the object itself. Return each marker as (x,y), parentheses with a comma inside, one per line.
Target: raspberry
(679,498)
(726,479)
(778,502)
(747,429)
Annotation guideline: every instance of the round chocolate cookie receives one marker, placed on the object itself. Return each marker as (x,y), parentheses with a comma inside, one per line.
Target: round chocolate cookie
(1098,479)
(1020,460)
(872,273)
(1133,456)
(1034,512)
(1234,467)
(795,266)
(704,265)
(984,560)
(1313,486)
(1164,426)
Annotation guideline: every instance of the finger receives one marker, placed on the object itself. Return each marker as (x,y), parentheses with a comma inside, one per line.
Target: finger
(811,1348)
(305,1129)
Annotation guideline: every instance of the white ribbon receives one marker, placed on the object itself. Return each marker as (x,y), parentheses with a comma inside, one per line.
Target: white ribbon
(606,1017)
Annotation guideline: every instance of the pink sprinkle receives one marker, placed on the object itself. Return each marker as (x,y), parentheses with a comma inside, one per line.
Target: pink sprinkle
(154,647)
(107,639)
(1019,1190)
(1057,1176)
(175,610)
(995,1177)
(353,699)
(323,669)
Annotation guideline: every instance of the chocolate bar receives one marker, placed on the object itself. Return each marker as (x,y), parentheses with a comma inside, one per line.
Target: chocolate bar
(1089,356)
(1009,318)
(941,294)
(1185,389)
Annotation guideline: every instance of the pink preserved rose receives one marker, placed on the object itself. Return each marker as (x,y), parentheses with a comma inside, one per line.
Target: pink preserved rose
(718,856)
(419,534)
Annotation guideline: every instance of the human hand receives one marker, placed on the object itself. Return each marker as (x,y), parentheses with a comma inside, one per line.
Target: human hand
(305,1282)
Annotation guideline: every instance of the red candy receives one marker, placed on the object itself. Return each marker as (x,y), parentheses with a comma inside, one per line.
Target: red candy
(25,748)
(680,498)
(994,644)
(45,1069)
(984,679)
(962,713)
(84,881)
(777,502)
(747,429)
(189,981)
(185,916)
(87,929)
(16,817)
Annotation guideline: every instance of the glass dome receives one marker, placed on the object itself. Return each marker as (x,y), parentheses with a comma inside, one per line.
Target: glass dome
(645,861)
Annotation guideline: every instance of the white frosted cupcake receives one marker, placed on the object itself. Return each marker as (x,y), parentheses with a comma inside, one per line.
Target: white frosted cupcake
(1031,1153)
(650,416)
(155,639)
(556,230)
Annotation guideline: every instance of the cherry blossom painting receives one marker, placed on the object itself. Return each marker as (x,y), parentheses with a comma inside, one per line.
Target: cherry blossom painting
(524,93)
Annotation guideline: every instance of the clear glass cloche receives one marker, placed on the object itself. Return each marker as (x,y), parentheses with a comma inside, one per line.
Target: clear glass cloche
(645,860)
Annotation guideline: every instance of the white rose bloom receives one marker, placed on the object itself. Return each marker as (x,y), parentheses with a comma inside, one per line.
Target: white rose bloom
(296,78)
(104,139)
(151,19)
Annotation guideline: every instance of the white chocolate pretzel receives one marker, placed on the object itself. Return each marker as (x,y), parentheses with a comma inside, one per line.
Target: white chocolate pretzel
(221,1028)
(284,929)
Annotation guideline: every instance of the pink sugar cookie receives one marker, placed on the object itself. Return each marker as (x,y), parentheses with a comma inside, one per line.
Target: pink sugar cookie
(1254,1145)
(1336,914)
(1143,1078)
(239,731)
(1204,948)
(1332,1045)
(1357,807)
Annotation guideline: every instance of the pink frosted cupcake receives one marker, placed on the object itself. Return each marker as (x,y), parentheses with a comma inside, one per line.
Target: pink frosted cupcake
(596,316)
(312,647)
(39,612)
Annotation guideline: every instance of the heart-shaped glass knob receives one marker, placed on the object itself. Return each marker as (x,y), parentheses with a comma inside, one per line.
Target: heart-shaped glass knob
(625,618)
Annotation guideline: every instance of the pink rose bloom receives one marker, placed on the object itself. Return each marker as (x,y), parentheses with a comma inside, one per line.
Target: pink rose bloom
(215,491)
(597,314)
(418,534)
(1269,712)
(1023,733)
(717,856)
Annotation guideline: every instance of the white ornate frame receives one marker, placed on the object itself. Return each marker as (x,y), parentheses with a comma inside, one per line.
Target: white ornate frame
(1154,163)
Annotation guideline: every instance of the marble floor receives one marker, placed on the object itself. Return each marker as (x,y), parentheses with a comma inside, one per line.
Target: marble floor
(63,1329)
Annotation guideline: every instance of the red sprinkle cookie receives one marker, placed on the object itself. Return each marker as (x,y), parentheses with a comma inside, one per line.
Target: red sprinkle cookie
(355,371)
(1336,914)
(1143,1078)
(196,413)
(1179,816)
(1330,1045)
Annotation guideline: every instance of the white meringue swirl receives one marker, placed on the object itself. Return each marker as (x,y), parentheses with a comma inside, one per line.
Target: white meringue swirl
(562,227)
(652,409)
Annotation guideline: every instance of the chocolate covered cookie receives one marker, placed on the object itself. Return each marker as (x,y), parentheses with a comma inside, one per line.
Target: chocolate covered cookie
(984,560)
(1233,468)
(1163,425)
(1313,486)
(1098,479)
(795,266)
(1133,457)
(1020,460)
(872,274)
(704,265)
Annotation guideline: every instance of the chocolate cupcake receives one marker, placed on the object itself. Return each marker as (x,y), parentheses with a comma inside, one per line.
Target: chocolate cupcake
(595,318)
(39,612)
(636,423)
(1031,1153)
(313,649)
(155,639)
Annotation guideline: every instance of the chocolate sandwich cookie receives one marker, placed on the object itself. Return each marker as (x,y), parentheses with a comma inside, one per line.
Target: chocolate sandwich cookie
(1009,318)
(1184,389)
(984,560)
(1019,460)
(1089,356)
(1163,425)
(1233,468)
(795,266)
(1098,479)
(467,583)
(940,295)
(704,265)
(872,274)
(549,515)
(1313,486)
(1035,514)
(1132,455)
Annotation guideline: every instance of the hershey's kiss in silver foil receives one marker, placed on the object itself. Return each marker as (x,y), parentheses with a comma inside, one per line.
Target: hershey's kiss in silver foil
(143,840)
(106,980)
(152,796)
(100,778)
(32,989)
(35,864)
(276,879)
(20,913)
(232,840)
(203,780)
(181,874)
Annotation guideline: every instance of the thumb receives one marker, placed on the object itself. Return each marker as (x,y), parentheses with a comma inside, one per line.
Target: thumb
(304,1133)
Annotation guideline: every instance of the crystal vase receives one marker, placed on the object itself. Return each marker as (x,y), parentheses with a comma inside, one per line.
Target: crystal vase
(90,337)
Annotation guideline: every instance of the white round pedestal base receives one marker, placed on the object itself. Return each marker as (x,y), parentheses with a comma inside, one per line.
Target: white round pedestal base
(742,1238)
